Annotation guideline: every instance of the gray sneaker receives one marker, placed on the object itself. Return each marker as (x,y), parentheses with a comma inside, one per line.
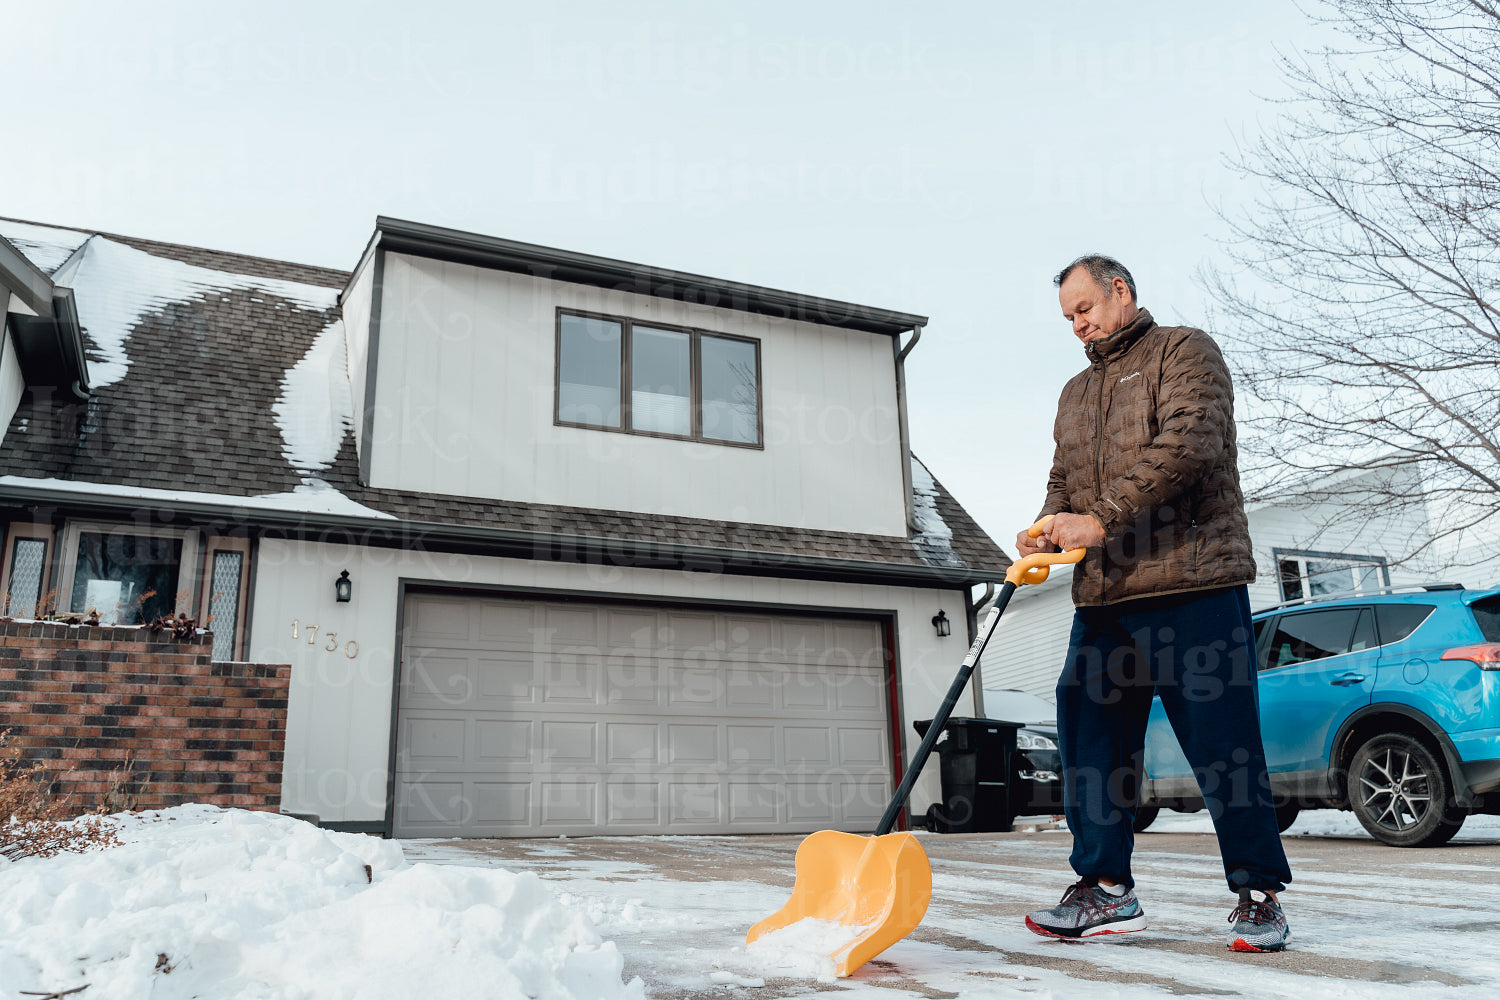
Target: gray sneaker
(1259,924)
(1087,910)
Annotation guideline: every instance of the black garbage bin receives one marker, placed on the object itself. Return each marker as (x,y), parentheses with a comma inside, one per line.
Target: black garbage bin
(975,756)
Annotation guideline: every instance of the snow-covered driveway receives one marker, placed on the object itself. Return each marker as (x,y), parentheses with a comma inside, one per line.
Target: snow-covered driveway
(1368,921)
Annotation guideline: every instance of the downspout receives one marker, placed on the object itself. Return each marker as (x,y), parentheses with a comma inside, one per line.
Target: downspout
(901,353)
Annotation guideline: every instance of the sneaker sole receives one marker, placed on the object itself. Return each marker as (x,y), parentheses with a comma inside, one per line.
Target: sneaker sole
(1127,926)
(1240,944)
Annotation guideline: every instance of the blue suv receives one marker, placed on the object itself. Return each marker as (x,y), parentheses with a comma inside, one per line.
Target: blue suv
(1385,703)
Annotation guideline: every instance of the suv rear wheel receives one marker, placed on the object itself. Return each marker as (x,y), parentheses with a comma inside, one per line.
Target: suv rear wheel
(1400,792)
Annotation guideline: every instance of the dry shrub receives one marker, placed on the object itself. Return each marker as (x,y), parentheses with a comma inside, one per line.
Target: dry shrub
(32,823)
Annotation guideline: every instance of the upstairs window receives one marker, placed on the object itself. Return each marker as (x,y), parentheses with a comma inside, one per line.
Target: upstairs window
(682,383)
(1324,574)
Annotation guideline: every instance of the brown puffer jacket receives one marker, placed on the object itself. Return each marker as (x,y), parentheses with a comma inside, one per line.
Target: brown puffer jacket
(1146,443)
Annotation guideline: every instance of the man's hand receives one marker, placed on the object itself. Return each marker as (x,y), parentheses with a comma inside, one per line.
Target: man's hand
(1074,531)
(1026,545)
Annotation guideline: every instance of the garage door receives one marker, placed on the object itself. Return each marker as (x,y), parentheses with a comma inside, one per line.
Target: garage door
(520,718)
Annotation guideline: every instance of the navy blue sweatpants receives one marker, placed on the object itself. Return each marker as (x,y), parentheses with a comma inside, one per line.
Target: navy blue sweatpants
(1196,651)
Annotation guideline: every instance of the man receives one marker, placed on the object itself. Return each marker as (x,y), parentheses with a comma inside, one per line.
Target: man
(1145,477)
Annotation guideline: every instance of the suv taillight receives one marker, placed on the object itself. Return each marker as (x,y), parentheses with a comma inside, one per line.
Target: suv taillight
(1486,654)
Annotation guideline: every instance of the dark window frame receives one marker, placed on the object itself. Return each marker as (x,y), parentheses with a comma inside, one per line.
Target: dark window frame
(695,381)
(1374,562)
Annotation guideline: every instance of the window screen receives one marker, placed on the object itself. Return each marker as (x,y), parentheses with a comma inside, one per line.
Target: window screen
(224,602)
(128,579)
(1312,635)
(1397,621)
(588,371)
(25,588)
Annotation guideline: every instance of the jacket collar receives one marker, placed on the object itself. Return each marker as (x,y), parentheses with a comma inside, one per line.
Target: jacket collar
(1119,342)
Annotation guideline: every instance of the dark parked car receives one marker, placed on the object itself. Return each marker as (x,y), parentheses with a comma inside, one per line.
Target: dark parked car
(1386,703)
(1036,769)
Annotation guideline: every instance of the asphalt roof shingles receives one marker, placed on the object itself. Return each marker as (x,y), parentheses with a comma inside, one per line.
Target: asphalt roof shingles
(193,413)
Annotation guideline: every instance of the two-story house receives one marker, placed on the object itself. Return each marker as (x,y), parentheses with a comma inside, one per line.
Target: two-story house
(555,544)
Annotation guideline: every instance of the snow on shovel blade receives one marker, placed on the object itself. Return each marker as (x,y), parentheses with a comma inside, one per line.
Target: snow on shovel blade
(877,887)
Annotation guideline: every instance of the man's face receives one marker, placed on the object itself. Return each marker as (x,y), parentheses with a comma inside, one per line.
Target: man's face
(1095,312)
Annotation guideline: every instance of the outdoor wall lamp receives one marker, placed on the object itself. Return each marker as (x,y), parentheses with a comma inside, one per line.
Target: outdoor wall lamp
(343,587)
(942,624)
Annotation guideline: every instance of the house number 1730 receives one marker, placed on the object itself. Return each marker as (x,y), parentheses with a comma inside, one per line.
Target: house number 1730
(351,648)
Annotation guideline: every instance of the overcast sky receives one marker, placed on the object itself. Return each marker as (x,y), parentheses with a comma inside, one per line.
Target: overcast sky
(942,159)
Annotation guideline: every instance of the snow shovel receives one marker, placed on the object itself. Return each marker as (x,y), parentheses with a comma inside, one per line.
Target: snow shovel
(874,890)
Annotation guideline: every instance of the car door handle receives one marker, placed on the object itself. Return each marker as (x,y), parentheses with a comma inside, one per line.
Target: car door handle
(1345,680)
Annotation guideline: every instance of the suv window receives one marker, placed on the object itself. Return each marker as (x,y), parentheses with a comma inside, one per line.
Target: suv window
(1397,621)
(1313,635)
(1487,614)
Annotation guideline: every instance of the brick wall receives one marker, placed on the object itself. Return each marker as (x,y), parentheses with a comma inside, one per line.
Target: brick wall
(148,715)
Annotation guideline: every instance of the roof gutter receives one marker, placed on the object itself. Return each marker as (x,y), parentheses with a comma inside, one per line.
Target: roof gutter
(419,239)
(49,343)
(24,280)
(227,518)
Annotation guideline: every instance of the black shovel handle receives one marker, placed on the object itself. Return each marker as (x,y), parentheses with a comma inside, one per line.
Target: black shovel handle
(903,791)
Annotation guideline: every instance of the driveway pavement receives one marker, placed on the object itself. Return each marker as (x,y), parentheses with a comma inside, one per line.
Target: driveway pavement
(1367,920)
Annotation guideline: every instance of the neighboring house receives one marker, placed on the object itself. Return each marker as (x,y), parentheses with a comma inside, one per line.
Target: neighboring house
(554,544)
(1334,536)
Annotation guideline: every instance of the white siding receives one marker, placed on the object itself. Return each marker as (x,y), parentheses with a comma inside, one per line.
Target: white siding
(1031,640)
(1357,522)
(338,725)
(12,384)
(356,311)
(464,406)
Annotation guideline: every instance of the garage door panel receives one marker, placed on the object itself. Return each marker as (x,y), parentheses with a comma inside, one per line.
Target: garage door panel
(502,803)
(636,804)
(551,717)
(569,801)
(632,743)
(862,748)
(693,803)
(438,678)
(503,741)
(506,680)
(431,740)
(692,744)
(751,745)
(751,687)
(696,686)
(806,747)
(632,683)
(569,742)
(571,678)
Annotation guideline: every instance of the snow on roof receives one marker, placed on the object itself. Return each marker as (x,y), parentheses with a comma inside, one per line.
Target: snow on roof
(48,247)
(115,286)
(934,538)
(312,496)
(315,407)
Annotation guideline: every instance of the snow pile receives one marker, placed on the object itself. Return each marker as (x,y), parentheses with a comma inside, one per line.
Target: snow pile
(45,246)
(115,286)
(202,902)
(805,948)
(935,541)
(315,408)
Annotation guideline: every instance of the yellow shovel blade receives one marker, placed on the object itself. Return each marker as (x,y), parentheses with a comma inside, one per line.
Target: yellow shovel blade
(879,884)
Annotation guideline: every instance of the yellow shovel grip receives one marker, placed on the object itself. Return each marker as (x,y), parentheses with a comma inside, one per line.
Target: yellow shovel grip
(1033,569)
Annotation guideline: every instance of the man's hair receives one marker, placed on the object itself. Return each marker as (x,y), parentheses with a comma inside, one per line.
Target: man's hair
(1104,270)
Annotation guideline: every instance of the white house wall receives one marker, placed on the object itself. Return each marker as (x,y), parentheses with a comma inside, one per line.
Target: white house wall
(12,383)
(339,712)
(464,406)
(1027,650)
(356,312)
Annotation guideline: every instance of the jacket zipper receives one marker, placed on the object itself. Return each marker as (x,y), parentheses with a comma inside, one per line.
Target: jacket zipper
(1099,469)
